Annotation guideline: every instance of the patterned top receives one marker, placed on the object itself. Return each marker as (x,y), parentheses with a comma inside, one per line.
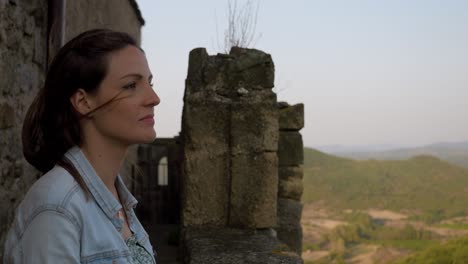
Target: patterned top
(138,252)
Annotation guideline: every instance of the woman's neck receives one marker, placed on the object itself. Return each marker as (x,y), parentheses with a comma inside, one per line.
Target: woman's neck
(106,159)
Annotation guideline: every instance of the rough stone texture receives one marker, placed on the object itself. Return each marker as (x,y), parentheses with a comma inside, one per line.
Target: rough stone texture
(291,188)
(254,127)
(289,217)
(230,136)
(22,66)
(7,116)
(233,246)
(113,14)
(290,148)
(252,68)
(206,189)
(23,53)
(208,126)
(206,164)
(286,173)
(254,190)
(231,141)
(291,117)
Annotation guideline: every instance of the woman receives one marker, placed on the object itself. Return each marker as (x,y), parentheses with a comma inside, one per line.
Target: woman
(97,101)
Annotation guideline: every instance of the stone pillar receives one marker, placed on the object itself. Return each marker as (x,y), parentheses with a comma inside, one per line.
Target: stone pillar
(291,157)
(230,139)
(23,39)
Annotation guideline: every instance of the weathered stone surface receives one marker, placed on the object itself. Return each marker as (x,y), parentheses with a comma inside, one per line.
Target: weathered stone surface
(206,125)
(206,173)
(205,195)
(112,14)
(291,188)
(289,213)
(291,117)
(7,116)
(233,246)
(197,60)
(18,74)
(39,46)
(292,238)
(23,49)
(227,110)
(254,187)
(229,106)
(254,127)
(253,68)
(289,223)
(290,148)
(286,173)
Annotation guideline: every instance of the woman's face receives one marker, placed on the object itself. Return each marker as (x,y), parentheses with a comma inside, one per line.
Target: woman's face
(128,119)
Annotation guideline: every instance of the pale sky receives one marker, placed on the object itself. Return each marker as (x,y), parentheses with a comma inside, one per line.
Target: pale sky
(368,72)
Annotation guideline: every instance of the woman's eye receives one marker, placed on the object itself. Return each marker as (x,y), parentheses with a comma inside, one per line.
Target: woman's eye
(130,86)
(151,84)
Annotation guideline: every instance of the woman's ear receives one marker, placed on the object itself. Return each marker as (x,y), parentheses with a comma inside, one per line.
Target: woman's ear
(79,100)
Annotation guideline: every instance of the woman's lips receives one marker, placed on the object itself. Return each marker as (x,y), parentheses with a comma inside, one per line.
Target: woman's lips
(148,120)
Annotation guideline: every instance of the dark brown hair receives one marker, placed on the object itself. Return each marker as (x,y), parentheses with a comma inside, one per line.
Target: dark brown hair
(51,126)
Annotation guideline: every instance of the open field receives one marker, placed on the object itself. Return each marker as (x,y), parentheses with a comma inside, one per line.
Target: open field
(321,245)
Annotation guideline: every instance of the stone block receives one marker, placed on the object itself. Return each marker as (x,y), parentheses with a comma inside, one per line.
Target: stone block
(289,223)
(7,116)
(292,238)
(254,188)
(3,36)
(205,194)
(289,213)
(197,60)
(291,188)
(233,246)
(254,127)
(14,38)
(290,148)
(286,173)
(206,125)
(254,68)
(39,49)
(291,117)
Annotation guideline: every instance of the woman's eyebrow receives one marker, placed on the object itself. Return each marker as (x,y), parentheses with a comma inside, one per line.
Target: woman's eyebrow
(137,75)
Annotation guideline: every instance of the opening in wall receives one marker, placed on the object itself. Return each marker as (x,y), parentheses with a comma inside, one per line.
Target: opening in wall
(162,172)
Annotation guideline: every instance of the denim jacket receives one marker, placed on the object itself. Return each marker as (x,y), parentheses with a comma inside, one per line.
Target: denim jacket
(57,223)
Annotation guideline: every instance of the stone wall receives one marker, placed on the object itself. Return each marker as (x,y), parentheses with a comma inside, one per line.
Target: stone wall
(231,140)
(23,60)
(230,135)
(291,157)
(23,53)
(122,15)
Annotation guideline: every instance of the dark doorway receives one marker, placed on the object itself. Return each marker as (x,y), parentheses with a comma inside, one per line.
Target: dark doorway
(157,187)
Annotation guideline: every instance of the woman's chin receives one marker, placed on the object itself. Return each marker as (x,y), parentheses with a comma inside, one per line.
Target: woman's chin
(150,138)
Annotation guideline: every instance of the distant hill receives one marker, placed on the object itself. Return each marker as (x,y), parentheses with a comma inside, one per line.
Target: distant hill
(422,183)
(453,152)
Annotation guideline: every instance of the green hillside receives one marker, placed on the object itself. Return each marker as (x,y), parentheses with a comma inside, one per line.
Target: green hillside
(455,154)
(421,184)
(453,252)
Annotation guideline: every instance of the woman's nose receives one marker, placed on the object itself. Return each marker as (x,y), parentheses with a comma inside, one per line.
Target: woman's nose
(153,98)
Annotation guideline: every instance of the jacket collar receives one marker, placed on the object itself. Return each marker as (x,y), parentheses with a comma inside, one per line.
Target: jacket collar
(103,197)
